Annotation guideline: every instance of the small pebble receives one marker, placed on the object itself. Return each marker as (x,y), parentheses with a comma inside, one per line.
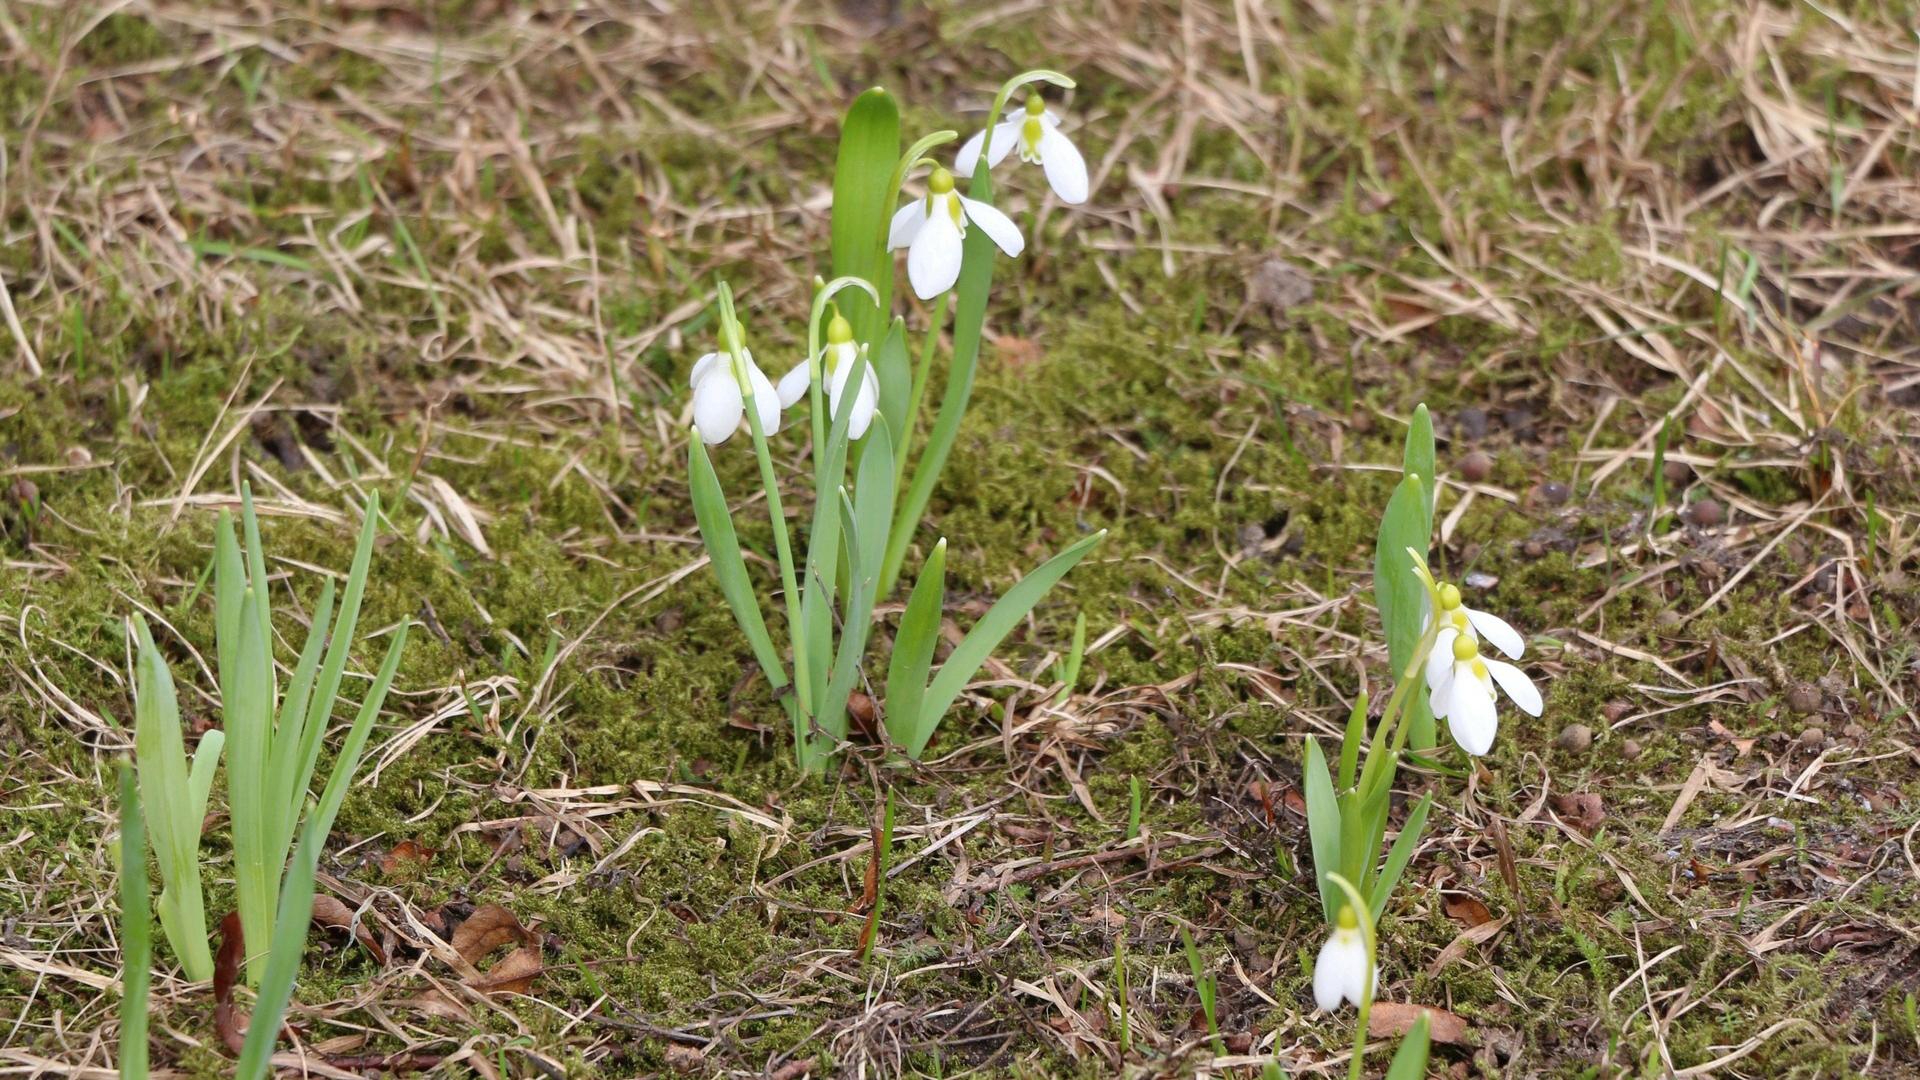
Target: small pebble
(1575,738)
(25,492)
(1668,619)
(1631,750)
(1252,536)
(1476,467)
(1360,422)
(1676,472)
(1855,732)
(1804,698)
(1813,738)
(1706,513)
(1519,420)
(1614,710)
(1471,424)
(669,620)
(1552,493)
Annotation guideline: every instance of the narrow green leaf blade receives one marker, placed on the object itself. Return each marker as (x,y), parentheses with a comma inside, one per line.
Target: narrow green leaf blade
(893,369)
(986,635)
(869,148)
(1399,594)
(1419,458)
(913,646)
(723,551)
(1323,826)
(1410,1061)
(136,931)
(873,498)
(249,709)
(1400,854)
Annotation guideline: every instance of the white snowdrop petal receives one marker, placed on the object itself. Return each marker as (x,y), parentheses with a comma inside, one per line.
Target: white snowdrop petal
(969,153)
(998,226)
(765,398)
(906,224)
(1471,716)
(1066,170)
(933,259)
(793,385)
(866,402)
(1440,660)
(701,367)
(1497,630)
(716,406)
(1517,685)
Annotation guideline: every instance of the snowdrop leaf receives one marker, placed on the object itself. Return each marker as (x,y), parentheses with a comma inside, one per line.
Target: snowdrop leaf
(869,145)
(1323,827)
(1418,458)
(912,655)
(1400,854)
(893,368)
(1410,1061)
(986,635)
(723,550)
(1398,593)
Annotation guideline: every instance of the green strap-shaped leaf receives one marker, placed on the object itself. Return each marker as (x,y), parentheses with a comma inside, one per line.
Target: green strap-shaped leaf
(913,647)
(1418,459)
(289,735)
(986,635)
(1410,1061)
(873,497)
(1400,854)
(249,711)
(136,932)
(175,801)
(893,370)
(1323,827)
(1356,734)
(1399,594)
(723,552)
(319,710)
(869,148)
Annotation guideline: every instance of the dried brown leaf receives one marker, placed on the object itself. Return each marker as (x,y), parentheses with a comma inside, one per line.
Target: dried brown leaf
(1393,1018)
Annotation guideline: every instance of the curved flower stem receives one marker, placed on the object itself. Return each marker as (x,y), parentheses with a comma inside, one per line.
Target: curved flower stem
(1000,103)
(730,339)
(921,375)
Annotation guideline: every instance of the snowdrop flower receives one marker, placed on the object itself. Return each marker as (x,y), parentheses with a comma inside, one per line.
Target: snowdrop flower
(1037,133)
(1460,685)
(1341,971)
(931,229)
(839,359)
(719,405)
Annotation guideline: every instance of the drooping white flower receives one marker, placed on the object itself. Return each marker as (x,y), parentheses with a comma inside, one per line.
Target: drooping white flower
(1037,133)
(1341,972)
(932,228)
(718,403)
(839,359)
(1477,624)
(1460,684)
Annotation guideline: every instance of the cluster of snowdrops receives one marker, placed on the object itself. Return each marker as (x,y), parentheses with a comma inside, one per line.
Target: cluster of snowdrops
(874,471)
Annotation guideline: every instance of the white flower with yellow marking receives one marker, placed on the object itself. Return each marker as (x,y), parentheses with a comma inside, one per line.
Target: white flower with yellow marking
(718,402)
(1341,972)
(1460,684)
(838,361)
(931,228)
(1036,132)
(1473,623)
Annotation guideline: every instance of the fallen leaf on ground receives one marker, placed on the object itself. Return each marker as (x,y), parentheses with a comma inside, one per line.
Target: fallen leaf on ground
(405,855)
(1468,911)
(1583,811)
(487,929)
(1392,1018)
(329,911)
(228,1019)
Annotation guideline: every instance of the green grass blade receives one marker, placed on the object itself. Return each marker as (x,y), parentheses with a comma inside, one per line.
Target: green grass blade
(282,959)
(136,932)
(1323,826)
(1400,854)
(986,635)
(327,687)
(229,594)
(262,592)
(869,146)
(348,759)
(167,791)
(1399,595)
(290,734)
(1350,745)
(206,759)
(913,647)
(249,709)
(1410,1061)
(832,715)
(893,369)
(969,322)
(723,551)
